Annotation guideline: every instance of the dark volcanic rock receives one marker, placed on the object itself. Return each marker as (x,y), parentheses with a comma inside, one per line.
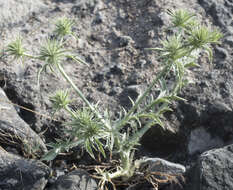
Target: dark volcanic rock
(200,140)
(163,166)
(14,131)
(76,180)
(214,170)
(17,173)
(171,173)
(221,11)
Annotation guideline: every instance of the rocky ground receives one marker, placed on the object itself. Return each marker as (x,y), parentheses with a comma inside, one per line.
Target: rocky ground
(112,37)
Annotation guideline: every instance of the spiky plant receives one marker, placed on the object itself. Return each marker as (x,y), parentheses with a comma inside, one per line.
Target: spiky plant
(60,101)
(16,49)
(95,130)
(181,18)
(88,129)
(64,27)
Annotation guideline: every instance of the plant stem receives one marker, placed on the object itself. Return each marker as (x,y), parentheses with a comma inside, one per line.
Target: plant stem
(75,87)
(31,56)
(121,123)
(164,72)
(80,94)
(70,111)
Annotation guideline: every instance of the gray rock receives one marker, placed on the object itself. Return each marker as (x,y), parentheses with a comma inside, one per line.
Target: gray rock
(205,108)
(170,174)
(122,14)
(221,53)
(14,131)
(229,40)
(200,141)
(98,18)
(134,78)
(219,107)
(210,101)
(165,19)
(83,7)
(220,10)
(13,11)
(214,170)
(124,41)
(141,63)
(164,141)
(76,180)
(116,69)
(17,173)
(164,166)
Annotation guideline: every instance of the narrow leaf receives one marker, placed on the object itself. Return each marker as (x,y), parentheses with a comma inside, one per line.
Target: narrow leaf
(77,59)
(100,147)
(158,121)
(164,110)
(210,53)
(89,149)
(177,98)
(154,49)
(191,64)
(131,100)
(51,155)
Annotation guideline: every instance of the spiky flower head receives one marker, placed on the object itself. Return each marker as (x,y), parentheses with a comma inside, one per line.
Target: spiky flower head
(52,52)
(88,128)
(173,48)
(181,18)
(64,27)
(202,37)
(60,100)
(16,49)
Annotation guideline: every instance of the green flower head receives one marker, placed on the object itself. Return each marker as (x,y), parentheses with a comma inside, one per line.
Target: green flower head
(16,49)
(64,27)
(60,100)
(181,18)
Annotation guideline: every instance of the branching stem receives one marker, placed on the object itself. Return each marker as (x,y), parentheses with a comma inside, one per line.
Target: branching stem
(164,72)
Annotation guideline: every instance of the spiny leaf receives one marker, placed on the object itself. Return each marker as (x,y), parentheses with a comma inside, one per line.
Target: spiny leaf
(77,59)
(131,100)
(180,18)
(89,149)
(158,121)
(209,52)
(202,36)
(100,147)
(191,64)
(177,98)
(51,155)
(164,110)
(154,49)
(136,136)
